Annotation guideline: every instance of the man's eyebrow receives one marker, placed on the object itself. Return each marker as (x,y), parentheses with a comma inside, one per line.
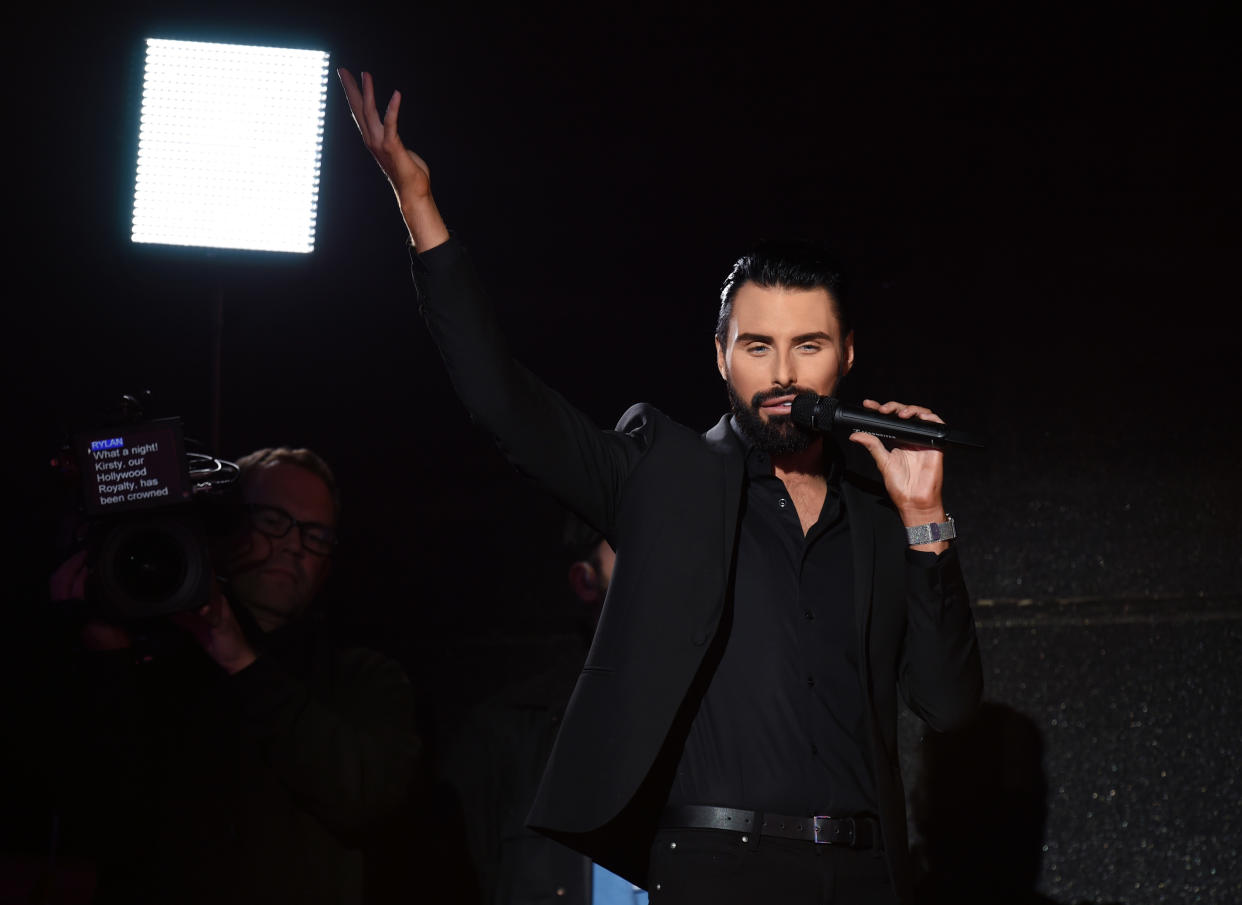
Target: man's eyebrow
(797,340)
(807,337)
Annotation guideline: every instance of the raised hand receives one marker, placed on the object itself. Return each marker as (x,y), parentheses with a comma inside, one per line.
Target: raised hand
(407,173)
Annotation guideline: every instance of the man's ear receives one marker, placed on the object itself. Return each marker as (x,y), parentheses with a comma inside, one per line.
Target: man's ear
(720,360)
(847,354)
(584,582)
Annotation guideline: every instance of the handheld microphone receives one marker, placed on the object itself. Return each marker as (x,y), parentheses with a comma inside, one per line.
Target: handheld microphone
(823,413)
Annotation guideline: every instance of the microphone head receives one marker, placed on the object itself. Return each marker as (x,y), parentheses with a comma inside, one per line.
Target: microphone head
(809,410)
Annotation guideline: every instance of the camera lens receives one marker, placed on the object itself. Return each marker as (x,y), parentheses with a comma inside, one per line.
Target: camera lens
(150,564)
(153,564)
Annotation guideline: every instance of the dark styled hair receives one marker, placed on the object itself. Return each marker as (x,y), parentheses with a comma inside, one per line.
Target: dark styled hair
(789,264)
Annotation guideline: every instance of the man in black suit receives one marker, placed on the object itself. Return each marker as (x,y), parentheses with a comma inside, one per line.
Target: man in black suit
(732,737)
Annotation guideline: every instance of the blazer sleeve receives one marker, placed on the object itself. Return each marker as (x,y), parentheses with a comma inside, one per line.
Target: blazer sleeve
(541,434)
(940,671)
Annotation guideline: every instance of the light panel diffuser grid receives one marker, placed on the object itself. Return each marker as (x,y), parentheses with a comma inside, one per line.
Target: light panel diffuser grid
(229,146)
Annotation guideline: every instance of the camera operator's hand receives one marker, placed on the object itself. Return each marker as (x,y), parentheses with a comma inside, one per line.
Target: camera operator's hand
(216,629)
(68,582)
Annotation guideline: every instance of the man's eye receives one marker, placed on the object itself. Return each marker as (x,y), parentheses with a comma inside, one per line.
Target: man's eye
(268,519)
(756,350)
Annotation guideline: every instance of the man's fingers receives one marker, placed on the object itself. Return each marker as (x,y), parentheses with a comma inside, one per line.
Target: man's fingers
(873,444)
(362,105)
(902,410)
(390,121)
(68,582)
(353,96)
(215,610)
(375,128)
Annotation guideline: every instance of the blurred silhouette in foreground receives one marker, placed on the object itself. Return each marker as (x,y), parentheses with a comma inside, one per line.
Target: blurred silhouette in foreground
(980,806)
(501,750)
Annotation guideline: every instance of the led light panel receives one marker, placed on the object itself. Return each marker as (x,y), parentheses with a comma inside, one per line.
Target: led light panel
(229,146)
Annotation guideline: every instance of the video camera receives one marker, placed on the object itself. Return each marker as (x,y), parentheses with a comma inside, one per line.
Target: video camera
(151,509)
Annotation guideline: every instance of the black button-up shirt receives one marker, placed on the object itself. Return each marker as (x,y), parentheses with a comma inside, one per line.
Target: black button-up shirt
(781,727)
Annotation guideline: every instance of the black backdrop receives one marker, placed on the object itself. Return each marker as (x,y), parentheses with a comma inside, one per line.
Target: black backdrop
(1041,204)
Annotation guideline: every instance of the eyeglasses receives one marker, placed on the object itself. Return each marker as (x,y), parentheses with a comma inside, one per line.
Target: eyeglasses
(275,522)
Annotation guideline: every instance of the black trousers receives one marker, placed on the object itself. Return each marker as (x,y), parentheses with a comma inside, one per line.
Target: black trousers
(715,867)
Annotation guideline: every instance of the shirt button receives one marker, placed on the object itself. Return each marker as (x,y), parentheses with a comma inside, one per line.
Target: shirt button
(810,681)
(782,502)
(809,615)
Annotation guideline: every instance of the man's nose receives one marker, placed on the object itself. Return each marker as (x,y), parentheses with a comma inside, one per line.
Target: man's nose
(291,543)
(784,372)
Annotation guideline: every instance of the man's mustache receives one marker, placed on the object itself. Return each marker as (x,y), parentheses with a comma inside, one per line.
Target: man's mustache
(248,556)
(775,393)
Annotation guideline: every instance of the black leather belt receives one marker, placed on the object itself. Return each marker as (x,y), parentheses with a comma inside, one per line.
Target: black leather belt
(852,832)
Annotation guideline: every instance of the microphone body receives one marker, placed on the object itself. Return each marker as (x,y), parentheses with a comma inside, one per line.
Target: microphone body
(823,413)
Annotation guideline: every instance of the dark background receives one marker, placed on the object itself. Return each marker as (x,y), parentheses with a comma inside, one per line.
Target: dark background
(1040,203)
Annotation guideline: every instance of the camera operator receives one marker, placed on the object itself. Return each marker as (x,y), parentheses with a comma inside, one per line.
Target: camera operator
(252,759)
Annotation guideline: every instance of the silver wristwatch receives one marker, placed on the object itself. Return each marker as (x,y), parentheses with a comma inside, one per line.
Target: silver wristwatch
(932,532)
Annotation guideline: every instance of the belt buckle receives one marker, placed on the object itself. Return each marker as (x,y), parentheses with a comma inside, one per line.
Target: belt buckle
(850,833)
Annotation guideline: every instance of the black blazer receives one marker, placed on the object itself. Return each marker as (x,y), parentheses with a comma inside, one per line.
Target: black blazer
(667,498)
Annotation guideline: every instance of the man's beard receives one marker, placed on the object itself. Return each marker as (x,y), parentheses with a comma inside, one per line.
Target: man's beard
(777,436)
